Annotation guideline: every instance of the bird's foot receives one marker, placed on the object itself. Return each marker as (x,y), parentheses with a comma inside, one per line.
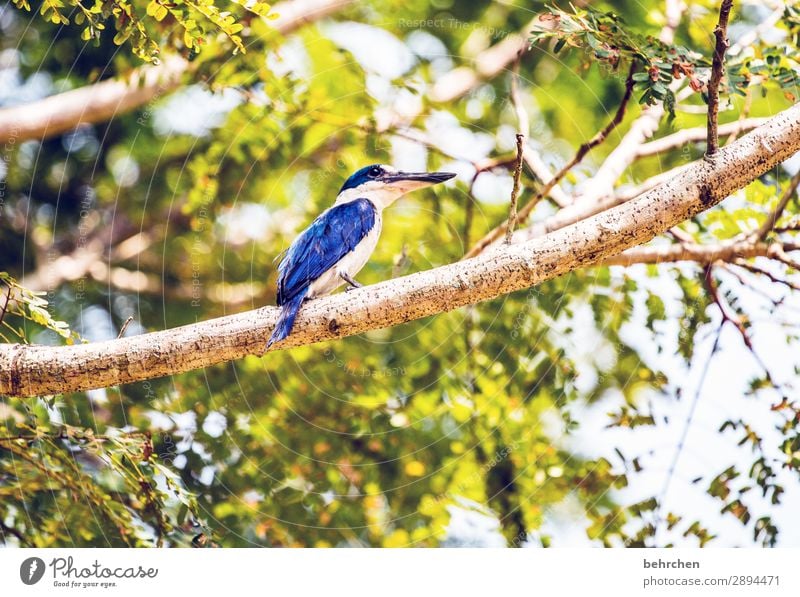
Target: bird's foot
(352,284)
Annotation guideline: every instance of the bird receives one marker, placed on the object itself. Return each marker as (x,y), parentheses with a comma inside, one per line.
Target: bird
(339,242)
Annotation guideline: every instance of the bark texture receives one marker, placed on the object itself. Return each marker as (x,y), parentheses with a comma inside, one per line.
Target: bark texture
(27,370)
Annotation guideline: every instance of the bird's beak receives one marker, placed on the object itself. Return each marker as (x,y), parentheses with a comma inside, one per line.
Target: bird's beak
(408,181)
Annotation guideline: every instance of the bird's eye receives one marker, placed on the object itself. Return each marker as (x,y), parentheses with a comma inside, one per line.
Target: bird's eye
(375,171)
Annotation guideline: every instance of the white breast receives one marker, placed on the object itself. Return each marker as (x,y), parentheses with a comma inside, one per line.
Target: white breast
(350,264)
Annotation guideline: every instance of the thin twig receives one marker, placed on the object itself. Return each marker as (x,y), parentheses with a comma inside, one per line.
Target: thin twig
(76,435)
(7,530)
(791,226)
(717,70)
(773,218)
(601,136)
(124,327)
(641,128)
(512,208)
(754,269)
(687,425)
(524,125)
(705,254)
(5,305)
(532,159)
(779,253)
(749,284)
(733,319)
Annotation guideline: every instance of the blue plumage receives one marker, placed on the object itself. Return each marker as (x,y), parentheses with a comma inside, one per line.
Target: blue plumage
(334,248)
(361,176)
(283,327)
(320,247)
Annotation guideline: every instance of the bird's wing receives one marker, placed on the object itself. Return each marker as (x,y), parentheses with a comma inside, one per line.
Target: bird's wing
(319,247)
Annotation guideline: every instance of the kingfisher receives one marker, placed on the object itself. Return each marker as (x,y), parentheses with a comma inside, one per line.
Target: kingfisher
(334,248)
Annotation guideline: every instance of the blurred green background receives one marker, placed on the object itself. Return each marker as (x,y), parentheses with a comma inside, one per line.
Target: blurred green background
(547,417)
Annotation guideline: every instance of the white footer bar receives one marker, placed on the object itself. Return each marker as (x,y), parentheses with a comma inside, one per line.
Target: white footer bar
(401,573)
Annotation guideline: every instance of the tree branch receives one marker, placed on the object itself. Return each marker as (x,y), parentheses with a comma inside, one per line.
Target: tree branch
(717,70)
(580,210)
(754,269)
(693,135)
(734,319)
(27,370)
(488,64)
(95,103)
(773,218)
(524,131)
(7,530)
(543,173)
(113,97)
(641,129)
(730,252)
(598,138)
(512,208)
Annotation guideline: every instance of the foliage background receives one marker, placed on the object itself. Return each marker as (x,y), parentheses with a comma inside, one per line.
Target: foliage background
(549,417)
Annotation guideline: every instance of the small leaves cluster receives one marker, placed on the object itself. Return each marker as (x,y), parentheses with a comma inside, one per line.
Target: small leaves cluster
(143,32)
(775,64)
(194,33)
(116,474)
(17,301)
(604,34)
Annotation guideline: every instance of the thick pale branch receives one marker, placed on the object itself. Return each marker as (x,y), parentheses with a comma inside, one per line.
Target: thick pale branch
(703,254)
(37,370)
(694,135)
(91,104)
(105,100)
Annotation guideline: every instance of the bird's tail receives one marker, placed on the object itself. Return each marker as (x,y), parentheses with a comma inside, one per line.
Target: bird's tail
(286,319)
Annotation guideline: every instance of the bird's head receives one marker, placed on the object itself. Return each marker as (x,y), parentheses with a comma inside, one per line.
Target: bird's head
(383,184)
